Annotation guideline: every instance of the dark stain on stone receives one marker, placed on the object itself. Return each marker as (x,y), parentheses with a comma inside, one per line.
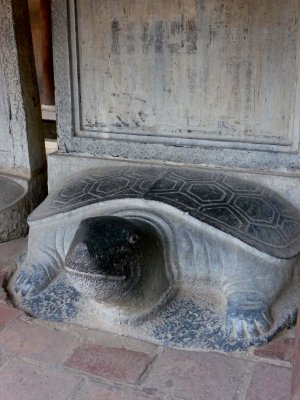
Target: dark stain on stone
(182,20)
(149,391)
(56,303)
(142,115)
(115,29)
(125,124)
(147,38)
(175,27)
(169,383)
(159,37)
(212,33)
(184,324)
(191,36)
(130,38)
(174,48)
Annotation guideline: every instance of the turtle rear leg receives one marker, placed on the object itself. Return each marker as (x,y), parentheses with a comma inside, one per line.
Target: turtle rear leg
(248,315)
(252,281)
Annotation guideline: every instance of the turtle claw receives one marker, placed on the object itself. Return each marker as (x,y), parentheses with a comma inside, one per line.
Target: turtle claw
(30,281)
(247,318)
(264,321)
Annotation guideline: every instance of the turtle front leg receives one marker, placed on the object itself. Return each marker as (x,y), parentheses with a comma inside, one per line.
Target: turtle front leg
(31,279)
(247,316)
(42,264)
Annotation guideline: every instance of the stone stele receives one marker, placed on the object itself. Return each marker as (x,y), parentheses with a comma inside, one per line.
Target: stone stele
(182,257)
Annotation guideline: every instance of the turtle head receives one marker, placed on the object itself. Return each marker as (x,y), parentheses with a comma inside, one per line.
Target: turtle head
(120,262)
(105,256)
(107,246)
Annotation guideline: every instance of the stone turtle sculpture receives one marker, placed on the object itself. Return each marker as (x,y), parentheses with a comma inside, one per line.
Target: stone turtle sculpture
(130,240)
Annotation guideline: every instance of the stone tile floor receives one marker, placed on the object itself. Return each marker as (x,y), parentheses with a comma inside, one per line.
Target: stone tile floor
(47,361)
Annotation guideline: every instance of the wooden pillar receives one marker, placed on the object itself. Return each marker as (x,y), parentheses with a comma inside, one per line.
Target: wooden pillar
(47,57)
(296,364)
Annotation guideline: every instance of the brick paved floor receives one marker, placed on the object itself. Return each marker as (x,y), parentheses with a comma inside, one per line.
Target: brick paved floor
(48,361)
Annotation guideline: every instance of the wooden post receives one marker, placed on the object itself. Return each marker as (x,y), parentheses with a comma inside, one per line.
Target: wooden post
(47,57)
(296,364)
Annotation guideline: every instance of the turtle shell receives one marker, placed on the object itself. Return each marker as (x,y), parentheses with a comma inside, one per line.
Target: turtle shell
(243,209)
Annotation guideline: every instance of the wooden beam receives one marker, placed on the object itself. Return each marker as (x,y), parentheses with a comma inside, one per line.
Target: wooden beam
(47,56)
